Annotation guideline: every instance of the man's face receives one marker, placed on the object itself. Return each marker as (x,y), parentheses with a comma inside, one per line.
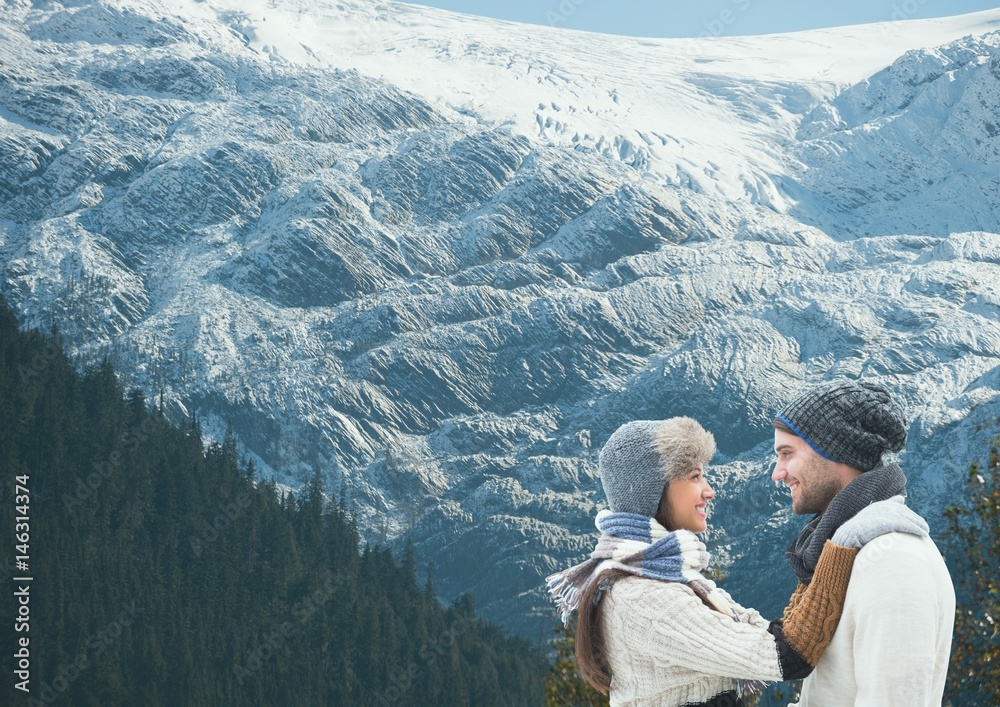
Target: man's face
(810,478)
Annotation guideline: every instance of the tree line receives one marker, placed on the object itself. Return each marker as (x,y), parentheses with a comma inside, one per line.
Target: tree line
(164,572)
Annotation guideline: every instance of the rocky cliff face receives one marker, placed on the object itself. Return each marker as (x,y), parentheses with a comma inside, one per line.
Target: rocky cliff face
(913,149)
(447,315)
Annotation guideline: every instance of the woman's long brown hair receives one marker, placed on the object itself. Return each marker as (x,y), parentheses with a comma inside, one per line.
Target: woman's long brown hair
(591,658)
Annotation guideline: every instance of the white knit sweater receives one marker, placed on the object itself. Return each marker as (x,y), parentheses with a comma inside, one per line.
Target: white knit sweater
(892,645)
(666,648)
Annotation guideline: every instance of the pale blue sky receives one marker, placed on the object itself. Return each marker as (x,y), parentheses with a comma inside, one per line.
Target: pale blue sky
(677,18)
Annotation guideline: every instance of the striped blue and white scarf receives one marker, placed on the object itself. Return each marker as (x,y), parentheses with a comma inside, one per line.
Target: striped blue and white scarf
(638,545)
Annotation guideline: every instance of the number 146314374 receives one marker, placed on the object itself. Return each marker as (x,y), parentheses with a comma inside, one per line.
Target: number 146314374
(22,538)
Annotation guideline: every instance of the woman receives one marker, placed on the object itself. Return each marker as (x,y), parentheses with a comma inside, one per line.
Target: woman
(652,629)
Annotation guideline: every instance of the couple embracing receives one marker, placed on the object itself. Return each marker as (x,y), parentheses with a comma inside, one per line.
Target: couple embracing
(870,621)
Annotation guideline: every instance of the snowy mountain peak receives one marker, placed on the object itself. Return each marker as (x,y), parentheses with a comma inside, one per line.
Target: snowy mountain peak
(441,259)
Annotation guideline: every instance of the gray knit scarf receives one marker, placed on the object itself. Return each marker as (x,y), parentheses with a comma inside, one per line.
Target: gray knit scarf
(638,545)
(641,546)
(879,484)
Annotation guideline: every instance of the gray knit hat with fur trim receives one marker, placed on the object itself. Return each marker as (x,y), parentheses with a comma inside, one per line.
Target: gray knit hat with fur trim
(853,422)
(641,456)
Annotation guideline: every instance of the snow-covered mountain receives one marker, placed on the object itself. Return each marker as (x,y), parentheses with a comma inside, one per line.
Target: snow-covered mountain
(441,258)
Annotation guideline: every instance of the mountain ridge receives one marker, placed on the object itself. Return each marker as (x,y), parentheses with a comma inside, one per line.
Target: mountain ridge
(446,315)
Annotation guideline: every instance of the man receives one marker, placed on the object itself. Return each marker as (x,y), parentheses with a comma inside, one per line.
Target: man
(894,638)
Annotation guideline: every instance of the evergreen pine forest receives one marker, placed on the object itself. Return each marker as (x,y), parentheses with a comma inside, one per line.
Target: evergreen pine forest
(164,573)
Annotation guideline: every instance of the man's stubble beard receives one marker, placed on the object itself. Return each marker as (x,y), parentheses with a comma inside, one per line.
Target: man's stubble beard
(823,486)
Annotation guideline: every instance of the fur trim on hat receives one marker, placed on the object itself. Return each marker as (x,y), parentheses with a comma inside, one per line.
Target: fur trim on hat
(683,444)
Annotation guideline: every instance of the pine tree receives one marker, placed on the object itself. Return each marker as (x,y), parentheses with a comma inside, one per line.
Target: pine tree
(563,685)
(243,597)
(973,552)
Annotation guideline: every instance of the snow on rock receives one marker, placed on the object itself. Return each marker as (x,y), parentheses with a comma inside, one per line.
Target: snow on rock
(913,149)
(442,258)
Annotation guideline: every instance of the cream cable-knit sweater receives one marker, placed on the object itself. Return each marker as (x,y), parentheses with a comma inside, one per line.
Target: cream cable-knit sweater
(666,648)
(892,646)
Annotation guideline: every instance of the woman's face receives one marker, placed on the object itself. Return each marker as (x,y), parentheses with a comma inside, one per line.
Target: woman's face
(687,501)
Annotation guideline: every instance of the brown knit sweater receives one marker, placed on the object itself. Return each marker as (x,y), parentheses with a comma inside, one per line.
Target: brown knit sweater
(811,618)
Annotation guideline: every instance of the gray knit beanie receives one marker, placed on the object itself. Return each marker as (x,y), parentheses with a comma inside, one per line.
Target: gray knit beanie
(641,456)
(853,422)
